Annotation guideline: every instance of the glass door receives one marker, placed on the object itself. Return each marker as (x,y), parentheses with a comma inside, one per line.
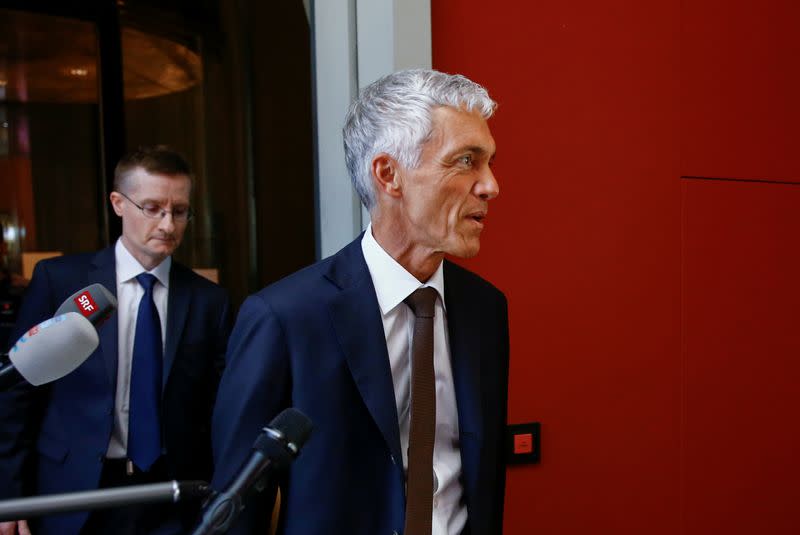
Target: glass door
(50,201)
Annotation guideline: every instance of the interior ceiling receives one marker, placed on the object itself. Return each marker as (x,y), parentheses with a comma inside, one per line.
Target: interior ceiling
(53,59)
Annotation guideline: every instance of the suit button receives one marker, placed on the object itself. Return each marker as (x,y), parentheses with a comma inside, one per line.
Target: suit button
(394,533)
(391,458)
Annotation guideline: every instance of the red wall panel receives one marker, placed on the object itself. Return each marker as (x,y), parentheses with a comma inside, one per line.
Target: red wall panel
(739,89)
(741,348)
(659,358)
(585,240)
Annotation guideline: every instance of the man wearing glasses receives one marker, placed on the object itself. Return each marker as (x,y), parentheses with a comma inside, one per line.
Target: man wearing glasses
(138,410)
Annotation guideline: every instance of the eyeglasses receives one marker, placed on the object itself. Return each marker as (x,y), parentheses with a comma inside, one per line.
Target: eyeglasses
(154,211)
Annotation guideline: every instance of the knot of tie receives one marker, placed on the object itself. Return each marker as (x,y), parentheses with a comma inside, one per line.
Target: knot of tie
(147,281)
(422,302)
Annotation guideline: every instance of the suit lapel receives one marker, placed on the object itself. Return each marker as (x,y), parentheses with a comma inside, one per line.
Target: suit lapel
(180,296)
(104,271)
(464,328)
(359,328)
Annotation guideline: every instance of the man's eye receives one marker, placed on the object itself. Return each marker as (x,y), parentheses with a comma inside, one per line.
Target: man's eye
(180,212)
(152,209)
(466,159)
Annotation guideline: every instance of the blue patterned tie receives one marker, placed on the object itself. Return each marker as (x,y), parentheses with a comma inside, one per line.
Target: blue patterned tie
(144,422)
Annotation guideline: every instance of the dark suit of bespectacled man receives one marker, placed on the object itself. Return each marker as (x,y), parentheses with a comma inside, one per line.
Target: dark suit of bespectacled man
(80,432)
(335,339)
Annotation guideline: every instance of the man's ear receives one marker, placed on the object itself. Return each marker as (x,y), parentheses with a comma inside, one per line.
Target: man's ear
(116,202)
(385,174)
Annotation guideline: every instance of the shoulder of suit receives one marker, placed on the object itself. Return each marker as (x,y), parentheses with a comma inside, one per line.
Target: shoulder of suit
(307,286)
(301,281)
(69,265)
(198,281)
(455,274)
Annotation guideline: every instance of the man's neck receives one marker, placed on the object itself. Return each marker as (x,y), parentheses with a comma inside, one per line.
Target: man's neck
(417,260)
(147,262)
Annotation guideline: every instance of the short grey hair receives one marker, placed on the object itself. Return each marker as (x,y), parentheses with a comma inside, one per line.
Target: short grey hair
(394,115)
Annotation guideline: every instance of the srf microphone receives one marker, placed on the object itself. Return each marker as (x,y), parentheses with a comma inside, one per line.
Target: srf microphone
(50,350)
(274,449)
(94,302)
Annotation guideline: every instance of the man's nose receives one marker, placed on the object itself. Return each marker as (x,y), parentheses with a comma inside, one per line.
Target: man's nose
(487,187)
(167,222)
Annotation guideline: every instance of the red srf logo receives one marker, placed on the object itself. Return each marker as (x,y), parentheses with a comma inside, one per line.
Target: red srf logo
(86,304)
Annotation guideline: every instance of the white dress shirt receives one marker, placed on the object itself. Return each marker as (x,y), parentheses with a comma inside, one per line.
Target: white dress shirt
(392,285)
(129,294)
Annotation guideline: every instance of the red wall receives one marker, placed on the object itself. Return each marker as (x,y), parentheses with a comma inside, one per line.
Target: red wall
(741,348)
(604,107)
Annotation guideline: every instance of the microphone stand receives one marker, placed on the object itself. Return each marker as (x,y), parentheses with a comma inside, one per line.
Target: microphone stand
(9,376)
(169,492)
(223,508)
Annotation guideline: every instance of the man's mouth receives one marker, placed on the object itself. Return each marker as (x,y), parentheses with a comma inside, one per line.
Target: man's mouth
(478,217)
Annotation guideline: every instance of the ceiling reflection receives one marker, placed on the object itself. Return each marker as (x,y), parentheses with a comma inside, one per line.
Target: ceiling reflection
(53,59)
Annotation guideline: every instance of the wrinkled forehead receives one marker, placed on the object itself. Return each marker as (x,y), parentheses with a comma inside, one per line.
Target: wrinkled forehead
(458,127)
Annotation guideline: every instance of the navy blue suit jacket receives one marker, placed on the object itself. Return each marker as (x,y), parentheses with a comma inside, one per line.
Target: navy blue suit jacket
(315,341)
(54,437)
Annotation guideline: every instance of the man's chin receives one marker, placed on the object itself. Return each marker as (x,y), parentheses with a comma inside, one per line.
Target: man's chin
(163,245)
(466,250)
(161,252)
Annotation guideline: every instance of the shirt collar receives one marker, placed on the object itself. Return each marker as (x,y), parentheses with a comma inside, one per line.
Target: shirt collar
(128,267)
(391,280)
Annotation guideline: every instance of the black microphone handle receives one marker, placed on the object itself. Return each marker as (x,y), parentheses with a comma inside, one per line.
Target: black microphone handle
(219,515)
(170,492)
(9,376)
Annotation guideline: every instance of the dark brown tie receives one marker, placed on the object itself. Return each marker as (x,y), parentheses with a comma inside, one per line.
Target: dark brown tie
(419,485)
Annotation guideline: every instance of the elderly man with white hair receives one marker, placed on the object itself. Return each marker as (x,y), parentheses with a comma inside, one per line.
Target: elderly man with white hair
(398,356)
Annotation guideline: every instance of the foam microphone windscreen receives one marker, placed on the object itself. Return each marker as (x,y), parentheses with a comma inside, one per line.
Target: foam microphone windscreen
(295,426)
(94,302)
(54,348)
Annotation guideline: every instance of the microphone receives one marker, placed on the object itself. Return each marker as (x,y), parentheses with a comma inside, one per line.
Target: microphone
(94,302)
(50,350)
(89,500)
(274,449)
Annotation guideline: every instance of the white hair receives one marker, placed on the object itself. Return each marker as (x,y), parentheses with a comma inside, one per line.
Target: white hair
(393,115)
